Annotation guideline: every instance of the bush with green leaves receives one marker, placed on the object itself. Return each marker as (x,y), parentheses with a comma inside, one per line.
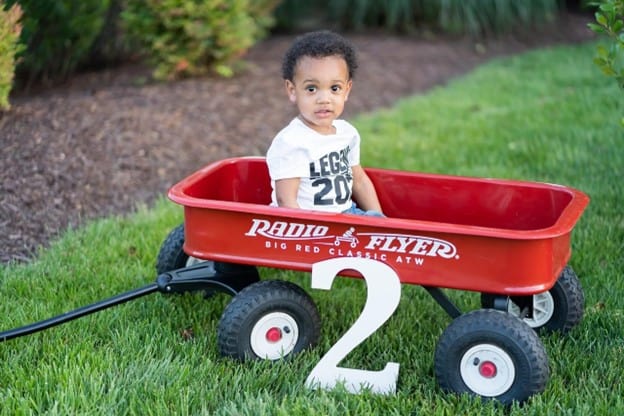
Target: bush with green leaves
(58,36)
(478,17)
(610,22)
(194,37)
(10,46)
(111,46)
(475,17)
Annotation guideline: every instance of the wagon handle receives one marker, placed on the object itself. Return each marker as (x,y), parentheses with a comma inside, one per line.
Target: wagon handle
(227,278)
(77,313)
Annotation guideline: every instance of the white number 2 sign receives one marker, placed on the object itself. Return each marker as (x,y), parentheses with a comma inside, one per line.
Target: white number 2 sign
(382,299)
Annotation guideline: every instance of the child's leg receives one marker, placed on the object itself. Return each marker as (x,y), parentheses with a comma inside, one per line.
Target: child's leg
(357,211)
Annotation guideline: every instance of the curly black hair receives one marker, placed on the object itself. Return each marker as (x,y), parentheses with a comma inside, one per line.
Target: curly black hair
(318,45)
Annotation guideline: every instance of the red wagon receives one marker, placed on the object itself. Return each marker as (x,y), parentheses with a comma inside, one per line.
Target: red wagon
(508,240)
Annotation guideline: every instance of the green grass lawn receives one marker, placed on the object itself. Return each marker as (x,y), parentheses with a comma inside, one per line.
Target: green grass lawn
(546,116)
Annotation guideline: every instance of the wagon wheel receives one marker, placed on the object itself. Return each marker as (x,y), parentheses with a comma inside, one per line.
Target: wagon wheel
(491,354)
(268,320)
(558,309)
(172,256)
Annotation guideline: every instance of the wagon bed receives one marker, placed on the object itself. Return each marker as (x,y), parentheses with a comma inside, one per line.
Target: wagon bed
(486,235)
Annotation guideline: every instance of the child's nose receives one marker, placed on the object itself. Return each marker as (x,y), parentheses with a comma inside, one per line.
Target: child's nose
(323,96)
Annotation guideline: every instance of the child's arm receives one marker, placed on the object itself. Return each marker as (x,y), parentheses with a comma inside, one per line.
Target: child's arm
(364,190)
(286,192)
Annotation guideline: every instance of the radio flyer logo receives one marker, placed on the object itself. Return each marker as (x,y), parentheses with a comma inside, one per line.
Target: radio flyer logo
(313,238)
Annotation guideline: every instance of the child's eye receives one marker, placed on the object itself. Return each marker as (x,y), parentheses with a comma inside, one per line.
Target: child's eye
(336,88)
(310,88)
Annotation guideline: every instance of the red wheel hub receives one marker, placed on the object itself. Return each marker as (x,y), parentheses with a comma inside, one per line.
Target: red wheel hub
(487,369)
(274,334)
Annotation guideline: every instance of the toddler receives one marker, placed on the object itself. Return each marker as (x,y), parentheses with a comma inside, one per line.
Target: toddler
(314,162)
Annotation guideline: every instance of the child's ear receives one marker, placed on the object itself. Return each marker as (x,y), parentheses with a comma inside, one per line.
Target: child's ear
(290,90)
(349,85)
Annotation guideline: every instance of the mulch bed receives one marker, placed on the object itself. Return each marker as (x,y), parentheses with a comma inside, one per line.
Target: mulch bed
(106,141)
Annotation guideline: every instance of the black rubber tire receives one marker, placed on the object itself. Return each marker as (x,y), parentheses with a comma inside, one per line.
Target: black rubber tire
(171,255)
(491,330)
(261,300)
(568,303)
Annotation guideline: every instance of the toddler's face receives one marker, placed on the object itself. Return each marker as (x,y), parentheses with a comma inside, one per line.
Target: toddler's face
(320,88)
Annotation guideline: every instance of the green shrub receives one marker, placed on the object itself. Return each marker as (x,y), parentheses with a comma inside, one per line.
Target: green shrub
(455,16)
(400,15)
(358,14)
(610,22)
(111,46)
(193,37)
(58,35)
(10,30)
(291,14)
(494,16)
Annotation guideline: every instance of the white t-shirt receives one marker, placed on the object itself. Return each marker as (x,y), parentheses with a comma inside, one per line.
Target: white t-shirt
(322,162)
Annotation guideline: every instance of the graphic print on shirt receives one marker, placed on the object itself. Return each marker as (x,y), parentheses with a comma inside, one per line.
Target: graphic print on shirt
(332,178)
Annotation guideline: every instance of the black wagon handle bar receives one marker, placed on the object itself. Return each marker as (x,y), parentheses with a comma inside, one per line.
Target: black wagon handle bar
(77,313)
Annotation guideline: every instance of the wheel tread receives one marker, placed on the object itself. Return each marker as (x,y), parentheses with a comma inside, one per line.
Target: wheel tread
(171,256)
(569,303)
(483,324)
(253,297)
(576,298)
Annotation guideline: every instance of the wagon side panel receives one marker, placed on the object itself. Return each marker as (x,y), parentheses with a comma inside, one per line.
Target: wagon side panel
(460,261)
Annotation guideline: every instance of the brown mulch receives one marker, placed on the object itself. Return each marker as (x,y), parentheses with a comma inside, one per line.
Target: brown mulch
(106,141)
